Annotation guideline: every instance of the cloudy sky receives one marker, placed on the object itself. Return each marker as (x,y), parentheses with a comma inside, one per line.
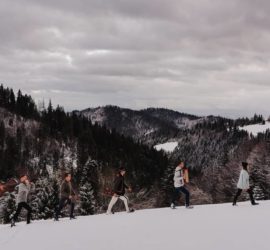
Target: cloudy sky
(197,56)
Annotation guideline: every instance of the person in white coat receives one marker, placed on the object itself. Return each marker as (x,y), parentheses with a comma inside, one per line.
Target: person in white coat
(243,184)
(179,186)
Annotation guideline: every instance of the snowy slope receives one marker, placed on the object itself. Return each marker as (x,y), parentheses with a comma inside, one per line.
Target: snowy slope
(167,147)
(256,128)
(210,227)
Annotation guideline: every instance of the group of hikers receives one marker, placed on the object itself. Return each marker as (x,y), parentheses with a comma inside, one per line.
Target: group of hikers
(68,195)
(181,179)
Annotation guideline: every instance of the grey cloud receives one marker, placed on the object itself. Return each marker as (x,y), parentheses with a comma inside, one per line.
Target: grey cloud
(203,57)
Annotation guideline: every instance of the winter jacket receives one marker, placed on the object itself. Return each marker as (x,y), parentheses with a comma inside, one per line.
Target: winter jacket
(119,185)
(23,192)
(178,177)
(66,190)
(243,182)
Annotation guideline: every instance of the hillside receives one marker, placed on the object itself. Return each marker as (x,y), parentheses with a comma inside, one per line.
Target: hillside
(148,126)
(212,147)
(255,129)
(46,144)
(208,227)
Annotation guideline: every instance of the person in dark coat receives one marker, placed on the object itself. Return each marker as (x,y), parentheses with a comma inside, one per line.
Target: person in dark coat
(119,191)
(67,197)
(22,199)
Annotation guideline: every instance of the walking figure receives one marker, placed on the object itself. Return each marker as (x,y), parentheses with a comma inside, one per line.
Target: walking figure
(22,199)
(67,197)
(180,179)
(243,184)
(119,191)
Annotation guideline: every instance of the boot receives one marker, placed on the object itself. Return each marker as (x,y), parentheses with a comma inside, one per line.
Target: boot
(56,218)
(173,206)
(12,224)
(254,203)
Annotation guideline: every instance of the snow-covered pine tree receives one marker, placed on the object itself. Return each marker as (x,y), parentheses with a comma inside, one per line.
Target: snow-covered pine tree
(87,199)
(7,207)
(88,178)
(258,178)
(258,193)
(167,185)
(45,198)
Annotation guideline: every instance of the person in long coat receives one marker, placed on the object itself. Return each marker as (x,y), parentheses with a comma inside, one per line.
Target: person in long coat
(243,185)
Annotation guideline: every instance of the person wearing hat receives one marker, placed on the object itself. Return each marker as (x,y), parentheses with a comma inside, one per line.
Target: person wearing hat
(179,186)
(243,184)
(119,191)
(22,199)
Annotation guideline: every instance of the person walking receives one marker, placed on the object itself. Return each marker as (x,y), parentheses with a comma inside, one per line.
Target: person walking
(119,190)
(22,200)
(180,179)
(67,197)
(243,184)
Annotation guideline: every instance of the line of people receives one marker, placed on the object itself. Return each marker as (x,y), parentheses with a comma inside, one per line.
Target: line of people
(181,179)
(68,195)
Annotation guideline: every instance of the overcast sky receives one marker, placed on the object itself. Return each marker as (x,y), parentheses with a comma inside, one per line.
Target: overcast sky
(198,56)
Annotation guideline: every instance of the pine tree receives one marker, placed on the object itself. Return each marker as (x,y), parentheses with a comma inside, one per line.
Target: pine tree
(12,101)
(2,134)
(258,193)
(87,199)
(8,207)
(45,198)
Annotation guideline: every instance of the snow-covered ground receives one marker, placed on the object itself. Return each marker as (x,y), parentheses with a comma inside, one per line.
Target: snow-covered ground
(167,147)
(256,128)
(209,227)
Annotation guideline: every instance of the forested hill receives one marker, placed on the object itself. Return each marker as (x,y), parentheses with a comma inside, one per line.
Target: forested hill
(93,143)
(156,125)
(49,142)
(212,147)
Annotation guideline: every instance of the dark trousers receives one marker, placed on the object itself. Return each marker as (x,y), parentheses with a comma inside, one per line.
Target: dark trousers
(176,193)
(63,202)
(19,209)
(239,191)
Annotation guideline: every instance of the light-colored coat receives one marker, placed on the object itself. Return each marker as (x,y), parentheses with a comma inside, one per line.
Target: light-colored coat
(178,178)
(243,182)
(23,192)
